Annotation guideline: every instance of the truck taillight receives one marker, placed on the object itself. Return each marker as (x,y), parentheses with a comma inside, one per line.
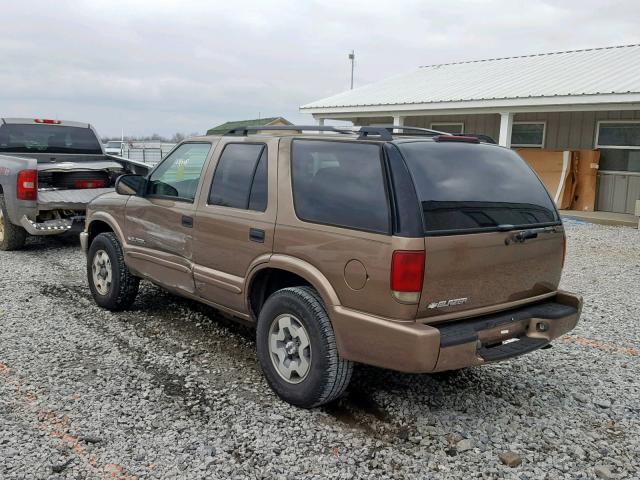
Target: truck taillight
(27,187)
(407,275)
(84,184)
(47,121)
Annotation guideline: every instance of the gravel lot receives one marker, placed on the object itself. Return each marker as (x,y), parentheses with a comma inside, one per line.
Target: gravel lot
(171,390)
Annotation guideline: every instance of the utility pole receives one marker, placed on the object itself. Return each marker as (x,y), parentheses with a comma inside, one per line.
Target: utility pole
(352,57)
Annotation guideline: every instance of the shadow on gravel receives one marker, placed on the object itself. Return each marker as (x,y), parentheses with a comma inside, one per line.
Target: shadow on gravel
(53,242)
(357,409)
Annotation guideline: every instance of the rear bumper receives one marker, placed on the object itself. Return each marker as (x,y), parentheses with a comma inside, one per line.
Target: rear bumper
(418,348)
(52,227)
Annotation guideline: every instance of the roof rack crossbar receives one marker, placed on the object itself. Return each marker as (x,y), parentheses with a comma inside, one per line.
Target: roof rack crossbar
(244,130)
(381,132)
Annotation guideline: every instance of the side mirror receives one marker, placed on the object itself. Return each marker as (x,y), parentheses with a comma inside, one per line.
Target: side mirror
(131,185)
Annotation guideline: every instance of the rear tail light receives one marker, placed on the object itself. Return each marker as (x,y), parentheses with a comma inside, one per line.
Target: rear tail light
(47,121)
(407,275)
(27,186)
(84,184)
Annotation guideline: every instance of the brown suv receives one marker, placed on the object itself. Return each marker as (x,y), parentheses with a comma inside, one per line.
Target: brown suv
(414,251)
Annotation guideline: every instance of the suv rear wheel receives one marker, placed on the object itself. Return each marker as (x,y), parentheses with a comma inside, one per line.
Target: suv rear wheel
(297,349)
(12,237)
(112,285)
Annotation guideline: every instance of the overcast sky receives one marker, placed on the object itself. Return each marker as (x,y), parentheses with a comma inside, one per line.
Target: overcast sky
(184,66)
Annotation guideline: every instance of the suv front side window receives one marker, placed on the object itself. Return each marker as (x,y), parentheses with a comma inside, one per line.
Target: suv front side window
(178,175)
(340,184)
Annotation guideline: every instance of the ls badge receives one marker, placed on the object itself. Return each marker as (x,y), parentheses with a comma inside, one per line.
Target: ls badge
(448,303)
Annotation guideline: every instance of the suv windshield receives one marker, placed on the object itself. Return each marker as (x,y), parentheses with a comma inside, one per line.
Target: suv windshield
(39,138)
(469,187)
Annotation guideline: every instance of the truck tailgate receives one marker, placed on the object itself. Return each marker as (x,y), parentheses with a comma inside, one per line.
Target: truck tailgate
(68,199)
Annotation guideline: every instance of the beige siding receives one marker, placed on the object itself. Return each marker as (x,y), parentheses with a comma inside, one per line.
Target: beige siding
(564,130)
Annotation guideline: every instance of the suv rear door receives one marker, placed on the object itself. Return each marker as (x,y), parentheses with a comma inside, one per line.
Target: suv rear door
(493,237)
(235,219)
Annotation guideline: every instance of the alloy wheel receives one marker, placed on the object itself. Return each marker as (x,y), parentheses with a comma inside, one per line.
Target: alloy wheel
(102,272)
(290,348)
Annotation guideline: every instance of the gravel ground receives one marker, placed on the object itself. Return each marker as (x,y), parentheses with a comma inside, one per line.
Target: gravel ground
(171,390)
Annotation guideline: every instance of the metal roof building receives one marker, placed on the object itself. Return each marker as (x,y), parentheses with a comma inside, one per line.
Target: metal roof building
(581,99)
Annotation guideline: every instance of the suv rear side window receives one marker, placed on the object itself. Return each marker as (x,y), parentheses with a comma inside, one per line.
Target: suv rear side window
(341,184)
(178,175)
(240,180)
(470,187)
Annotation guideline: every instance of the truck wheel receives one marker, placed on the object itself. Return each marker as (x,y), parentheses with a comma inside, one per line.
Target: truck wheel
(12,237)
(297,349)
(112,285)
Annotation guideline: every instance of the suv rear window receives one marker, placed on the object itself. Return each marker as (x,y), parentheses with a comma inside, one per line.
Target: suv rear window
(341,184)
(470,187)
(38,138)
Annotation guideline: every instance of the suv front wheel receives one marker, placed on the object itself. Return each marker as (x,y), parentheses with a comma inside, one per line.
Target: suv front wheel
(297,349)
(112,284)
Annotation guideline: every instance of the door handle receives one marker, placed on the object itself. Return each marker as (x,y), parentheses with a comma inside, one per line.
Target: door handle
(256,235)
(187,221)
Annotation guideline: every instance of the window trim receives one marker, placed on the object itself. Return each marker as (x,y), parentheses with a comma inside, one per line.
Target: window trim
(385,181)
(447,124)
(531,145)
(167,157)
(255,168)
(614,147)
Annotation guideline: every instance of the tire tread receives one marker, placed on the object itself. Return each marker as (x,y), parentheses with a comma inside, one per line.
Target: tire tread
(14,235)
(128,283)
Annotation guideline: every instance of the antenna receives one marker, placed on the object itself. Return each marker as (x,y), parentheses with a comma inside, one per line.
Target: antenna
(352,57)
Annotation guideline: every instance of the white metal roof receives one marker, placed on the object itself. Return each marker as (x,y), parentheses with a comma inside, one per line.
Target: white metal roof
(601,73)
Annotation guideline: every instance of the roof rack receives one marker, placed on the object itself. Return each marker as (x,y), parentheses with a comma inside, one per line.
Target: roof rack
(379,132)
(365,132)
(419,130)
(246,129)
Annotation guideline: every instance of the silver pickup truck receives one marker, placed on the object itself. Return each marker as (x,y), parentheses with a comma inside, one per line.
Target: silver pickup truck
(49,171)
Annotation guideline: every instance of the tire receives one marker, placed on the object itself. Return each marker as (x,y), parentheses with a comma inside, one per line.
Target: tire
(12,237)
(327,375)
(118,289)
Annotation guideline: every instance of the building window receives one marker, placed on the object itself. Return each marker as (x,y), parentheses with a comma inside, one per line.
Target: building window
(456,127)
(618,134)
(528,134)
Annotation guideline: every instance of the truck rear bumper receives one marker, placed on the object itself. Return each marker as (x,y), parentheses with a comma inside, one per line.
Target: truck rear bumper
(52,227)
(418,348)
